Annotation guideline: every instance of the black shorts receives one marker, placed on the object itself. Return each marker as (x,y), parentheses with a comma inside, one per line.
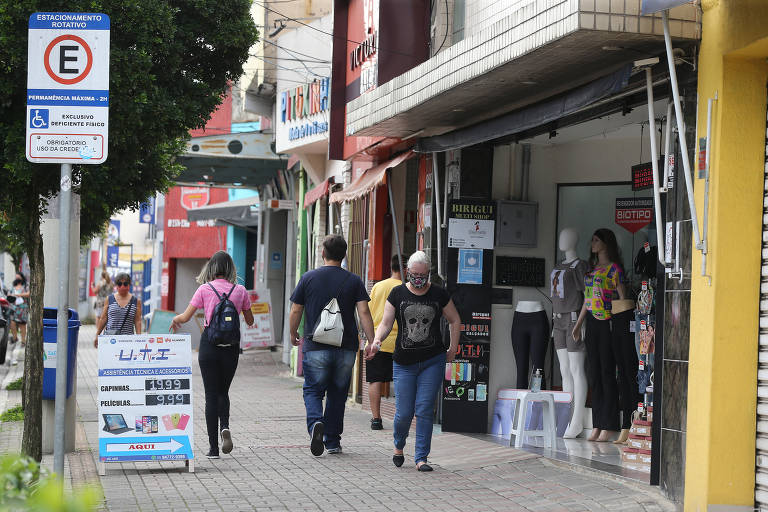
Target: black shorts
(379,369)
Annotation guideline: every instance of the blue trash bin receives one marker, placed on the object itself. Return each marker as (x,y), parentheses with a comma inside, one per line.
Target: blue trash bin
(50,324)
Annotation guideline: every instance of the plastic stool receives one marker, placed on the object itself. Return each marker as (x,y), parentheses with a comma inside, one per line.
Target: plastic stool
(548,419)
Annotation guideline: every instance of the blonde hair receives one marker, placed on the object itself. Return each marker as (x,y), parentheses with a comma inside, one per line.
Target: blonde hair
(220,265)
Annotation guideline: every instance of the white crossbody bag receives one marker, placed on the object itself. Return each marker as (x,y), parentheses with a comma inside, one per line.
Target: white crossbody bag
(330,326)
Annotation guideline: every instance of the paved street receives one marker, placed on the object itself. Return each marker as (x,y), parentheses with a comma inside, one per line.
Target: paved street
(271,467)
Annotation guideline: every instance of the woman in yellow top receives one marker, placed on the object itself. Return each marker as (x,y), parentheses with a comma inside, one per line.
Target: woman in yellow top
(378,369)
(603,284)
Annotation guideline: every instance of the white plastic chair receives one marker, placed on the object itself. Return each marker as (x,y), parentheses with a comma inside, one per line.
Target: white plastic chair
(548,419)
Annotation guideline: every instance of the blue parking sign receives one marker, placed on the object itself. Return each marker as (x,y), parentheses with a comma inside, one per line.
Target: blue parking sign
(38,118)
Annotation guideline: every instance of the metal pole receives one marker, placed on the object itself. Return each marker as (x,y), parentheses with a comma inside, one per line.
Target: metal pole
(705,221)
(62,320)
(667,144)
(394,224)
(681,129)
(439,220)
(654,164)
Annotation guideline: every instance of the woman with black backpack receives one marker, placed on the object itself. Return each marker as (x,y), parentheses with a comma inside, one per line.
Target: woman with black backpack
(222,299)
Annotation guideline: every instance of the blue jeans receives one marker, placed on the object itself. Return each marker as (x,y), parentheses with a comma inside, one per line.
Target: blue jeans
(327,375)
(416,387)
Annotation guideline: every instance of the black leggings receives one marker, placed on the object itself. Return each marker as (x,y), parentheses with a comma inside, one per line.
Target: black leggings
(217,366)
(601,373)
(625,353)
(530,334)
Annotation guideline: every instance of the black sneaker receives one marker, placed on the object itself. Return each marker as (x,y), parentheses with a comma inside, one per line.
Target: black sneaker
(334,451)
(212,454)
(316,446)
(226,440)
(376,424)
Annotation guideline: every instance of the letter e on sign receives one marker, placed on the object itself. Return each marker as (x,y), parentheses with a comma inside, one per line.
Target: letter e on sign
(71,61)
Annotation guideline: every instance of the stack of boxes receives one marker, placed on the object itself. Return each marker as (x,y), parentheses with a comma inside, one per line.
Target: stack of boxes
(637,453)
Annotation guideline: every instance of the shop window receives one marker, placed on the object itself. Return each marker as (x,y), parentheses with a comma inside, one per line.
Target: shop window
(588,207)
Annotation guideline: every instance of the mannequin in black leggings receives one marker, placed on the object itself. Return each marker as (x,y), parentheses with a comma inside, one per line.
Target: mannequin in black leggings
(530,334)
(602,285)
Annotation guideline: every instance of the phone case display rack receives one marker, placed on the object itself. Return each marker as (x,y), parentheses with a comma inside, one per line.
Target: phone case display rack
(636,454)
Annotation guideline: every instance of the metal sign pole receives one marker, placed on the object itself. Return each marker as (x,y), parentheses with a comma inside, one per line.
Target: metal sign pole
(681,131)
(62,318)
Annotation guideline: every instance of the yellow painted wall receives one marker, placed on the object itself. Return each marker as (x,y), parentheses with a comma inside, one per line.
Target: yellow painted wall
(722,376)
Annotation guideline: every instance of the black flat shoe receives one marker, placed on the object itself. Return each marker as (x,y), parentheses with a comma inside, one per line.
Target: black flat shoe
(316,445)
(398,460)
(424,467)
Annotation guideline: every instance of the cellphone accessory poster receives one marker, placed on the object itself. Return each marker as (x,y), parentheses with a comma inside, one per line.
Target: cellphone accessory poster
(145,398)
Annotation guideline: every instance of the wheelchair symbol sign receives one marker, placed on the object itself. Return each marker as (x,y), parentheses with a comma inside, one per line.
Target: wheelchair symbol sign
(38,118)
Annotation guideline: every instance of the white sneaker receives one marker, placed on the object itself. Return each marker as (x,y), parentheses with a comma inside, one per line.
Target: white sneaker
(226,441)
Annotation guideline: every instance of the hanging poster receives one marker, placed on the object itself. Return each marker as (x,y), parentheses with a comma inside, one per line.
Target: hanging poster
(471,233)
(145,398)
(470,266)
(261,333)
(634,213)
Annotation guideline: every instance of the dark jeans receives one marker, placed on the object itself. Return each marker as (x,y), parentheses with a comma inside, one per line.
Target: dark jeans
(530,336)
(217,366)
(601,373)
(327,375)
(626,358)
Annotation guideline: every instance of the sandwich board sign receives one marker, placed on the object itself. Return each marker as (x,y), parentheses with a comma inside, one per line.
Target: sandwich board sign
(145,399)
(68,88)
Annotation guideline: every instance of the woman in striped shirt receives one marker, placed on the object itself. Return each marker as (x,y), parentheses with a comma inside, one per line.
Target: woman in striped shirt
(120,314)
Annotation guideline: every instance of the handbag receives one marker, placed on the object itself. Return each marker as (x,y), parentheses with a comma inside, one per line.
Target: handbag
(113,332)
(330,326)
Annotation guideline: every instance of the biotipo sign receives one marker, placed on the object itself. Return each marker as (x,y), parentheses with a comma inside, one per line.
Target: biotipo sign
(301,109)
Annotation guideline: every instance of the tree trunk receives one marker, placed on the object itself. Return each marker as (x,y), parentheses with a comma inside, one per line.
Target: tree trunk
(32,440)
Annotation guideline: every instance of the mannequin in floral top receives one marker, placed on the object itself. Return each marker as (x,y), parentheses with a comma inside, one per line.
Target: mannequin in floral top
(602,285)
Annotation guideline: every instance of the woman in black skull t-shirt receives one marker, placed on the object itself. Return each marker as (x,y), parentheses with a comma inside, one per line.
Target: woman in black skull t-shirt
(419,357)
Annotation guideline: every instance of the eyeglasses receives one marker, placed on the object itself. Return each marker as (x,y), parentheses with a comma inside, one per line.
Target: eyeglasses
(123,283)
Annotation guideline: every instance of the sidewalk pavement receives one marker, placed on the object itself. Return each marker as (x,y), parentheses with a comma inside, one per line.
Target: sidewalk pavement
(271,467)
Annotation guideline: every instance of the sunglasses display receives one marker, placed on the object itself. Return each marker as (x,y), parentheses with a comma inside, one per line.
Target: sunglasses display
(123,283)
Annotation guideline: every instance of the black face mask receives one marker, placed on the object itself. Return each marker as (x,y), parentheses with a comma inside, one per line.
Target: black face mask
(17,282)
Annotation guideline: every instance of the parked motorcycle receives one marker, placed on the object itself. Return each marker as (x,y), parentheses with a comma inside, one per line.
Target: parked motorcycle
(5,323)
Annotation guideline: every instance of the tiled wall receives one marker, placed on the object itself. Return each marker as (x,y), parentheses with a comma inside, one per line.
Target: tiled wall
(677,302)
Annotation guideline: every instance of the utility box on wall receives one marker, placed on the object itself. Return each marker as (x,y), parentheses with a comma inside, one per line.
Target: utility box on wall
(516,224)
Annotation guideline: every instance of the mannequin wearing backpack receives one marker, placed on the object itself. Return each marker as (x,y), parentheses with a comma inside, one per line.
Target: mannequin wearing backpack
(222,300)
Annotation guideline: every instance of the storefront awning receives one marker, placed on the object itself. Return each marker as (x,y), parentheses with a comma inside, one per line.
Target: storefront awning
(531,116)
(239,159)
(317,192)
(240,212)
(369,180)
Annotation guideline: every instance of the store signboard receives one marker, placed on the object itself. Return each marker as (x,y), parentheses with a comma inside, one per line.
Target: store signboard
(651,6)
(470,233)
(261,333)
(634,213)
(145,398)
(147,211)
(642,175)
(194,197)
(470,274)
